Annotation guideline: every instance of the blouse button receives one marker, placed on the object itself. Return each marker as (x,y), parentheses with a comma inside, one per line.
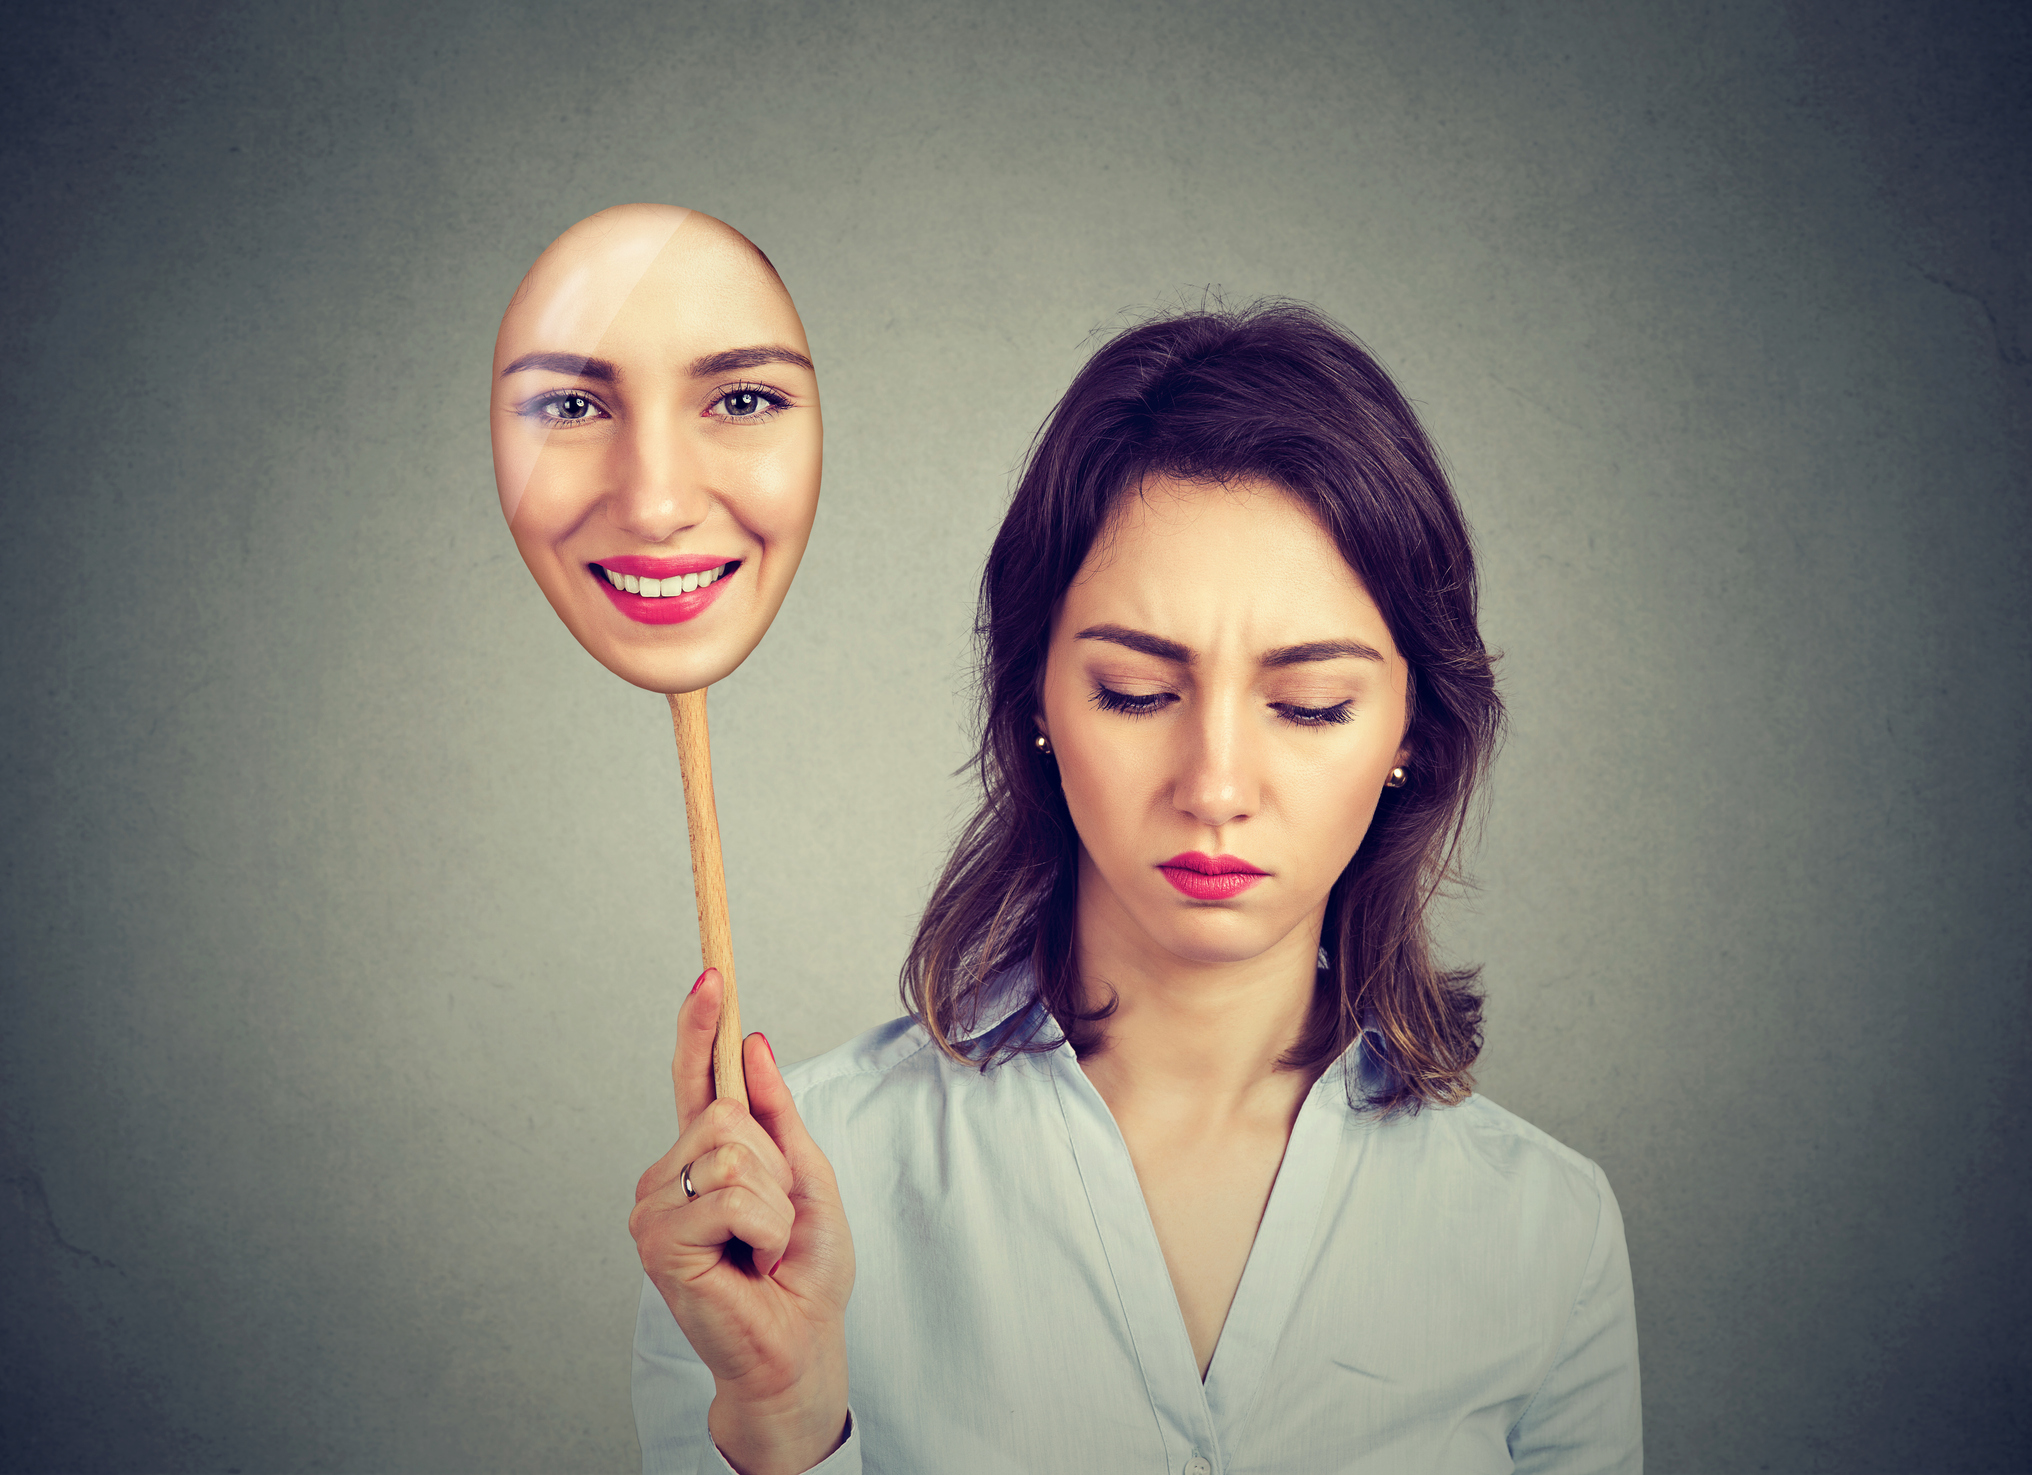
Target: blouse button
(1198,1465)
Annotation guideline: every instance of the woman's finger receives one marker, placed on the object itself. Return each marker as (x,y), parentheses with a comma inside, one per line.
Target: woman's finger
(720,1123)
(818,1260)
(691,1066)
(681,1239)
(736,1164)
(770,1102)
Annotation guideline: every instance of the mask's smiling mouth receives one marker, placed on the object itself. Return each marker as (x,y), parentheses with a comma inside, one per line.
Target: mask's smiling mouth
(651,588)
(662,591)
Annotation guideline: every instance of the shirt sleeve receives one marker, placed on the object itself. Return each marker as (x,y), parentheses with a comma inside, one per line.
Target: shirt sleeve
(672,1392)
(1587,1417)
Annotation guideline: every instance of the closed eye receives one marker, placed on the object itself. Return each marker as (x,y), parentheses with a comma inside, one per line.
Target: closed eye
(1110,700)
(1315,716)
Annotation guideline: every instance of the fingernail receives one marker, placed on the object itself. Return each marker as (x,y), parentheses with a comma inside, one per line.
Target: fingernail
(779,1264)
(696,982)
(772,1060)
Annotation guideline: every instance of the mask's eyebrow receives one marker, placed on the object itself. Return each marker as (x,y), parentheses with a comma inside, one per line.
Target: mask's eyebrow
(745,358)
(1149,645)
(1322,650)
(565,363)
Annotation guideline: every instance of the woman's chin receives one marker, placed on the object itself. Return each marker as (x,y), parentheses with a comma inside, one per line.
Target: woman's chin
(1212,940)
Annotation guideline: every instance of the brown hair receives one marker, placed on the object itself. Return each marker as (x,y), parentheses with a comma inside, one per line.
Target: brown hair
(1279,393)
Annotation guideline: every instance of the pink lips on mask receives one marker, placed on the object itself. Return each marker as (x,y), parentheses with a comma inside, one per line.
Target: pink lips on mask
(669,609)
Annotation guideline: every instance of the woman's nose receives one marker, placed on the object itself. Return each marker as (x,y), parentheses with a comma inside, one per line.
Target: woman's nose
(1217,782)
(659,484)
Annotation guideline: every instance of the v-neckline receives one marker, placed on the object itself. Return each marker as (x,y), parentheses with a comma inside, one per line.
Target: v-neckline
(1265,1295)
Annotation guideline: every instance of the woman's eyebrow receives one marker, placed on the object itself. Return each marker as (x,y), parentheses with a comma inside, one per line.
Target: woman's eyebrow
(1149,645)
(1321,650)
(745,358)
(565,363)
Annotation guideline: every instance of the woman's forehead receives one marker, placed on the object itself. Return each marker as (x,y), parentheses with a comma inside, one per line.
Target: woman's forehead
(1190,559)
(1169,520)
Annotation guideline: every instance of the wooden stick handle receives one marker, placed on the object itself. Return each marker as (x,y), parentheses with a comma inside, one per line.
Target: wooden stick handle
(709,883)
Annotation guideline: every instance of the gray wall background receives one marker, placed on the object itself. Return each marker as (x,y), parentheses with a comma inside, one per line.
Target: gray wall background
(346,906)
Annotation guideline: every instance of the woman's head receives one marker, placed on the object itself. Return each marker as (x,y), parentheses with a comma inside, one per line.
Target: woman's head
(1224,703)
(1271,434)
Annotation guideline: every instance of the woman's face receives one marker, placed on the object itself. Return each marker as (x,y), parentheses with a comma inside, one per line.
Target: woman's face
(656,441)
(1225,702)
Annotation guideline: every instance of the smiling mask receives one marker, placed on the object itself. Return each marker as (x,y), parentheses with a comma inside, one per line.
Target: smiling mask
(656,445)
(656,439)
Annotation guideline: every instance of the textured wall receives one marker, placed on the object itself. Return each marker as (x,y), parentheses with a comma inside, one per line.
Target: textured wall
(346,908)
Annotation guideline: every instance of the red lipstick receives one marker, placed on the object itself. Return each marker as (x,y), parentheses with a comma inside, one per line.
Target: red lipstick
(671,609)
(1210,877)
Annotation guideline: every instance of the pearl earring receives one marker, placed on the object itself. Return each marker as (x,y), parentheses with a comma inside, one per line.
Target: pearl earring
(1043,744)
(1396,780)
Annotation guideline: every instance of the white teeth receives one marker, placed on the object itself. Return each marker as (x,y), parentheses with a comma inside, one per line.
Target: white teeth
(663,588)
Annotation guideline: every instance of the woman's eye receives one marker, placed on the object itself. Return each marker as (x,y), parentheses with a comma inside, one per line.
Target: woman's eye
(747,403)
(567,408)
(1314,716)
(1110,700)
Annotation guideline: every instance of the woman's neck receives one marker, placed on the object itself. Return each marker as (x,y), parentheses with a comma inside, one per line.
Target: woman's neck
(1194,1043)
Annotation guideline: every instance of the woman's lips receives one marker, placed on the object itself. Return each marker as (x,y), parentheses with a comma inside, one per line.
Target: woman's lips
(708,576)
(1210,877)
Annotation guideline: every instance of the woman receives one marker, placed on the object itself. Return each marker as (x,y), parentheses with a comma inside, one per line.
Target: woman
(1175,1165)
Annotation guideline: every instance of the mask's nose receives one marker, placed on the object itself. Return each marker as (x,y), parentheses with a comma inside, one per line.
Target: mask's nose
(658,480)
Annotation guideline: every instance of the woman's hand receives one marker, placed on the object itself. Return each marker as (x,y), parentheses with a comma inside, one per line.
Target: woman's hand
(758,1266)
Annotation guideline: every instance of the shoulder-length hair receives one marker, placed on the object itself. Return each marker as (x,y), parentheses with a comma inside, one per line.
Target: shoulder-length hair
(1277,393)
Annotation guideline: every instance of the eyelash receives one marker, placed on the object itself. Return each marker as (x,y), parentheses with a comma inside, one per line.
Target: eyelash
(1109,700)
(776,399)
(1332,716)
(537,408)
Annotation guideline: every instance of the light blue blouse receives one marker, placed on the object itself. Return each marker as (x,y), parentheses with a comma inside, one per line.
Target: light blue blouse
(1441,1292)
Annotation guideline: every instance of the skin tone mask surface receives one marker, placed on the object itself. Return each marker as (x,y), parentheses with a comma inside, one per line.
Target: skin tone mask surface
(657,440)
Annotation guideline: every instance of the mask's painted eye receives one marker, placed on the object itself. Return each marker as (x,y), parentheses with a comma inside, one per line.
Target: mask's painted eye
(567,407)
(748,402)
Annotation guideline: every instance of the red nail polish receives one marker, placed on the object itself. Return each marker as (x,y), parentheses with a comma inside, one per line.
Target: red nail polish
(696,982)
(772,1060)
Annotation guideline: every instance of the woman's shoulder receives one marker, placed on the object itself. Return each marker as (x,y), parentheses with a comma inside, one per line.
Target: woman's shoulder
(1506,1137)
(894,1063)
(897,1069)
(865,1059)
(1492,1153)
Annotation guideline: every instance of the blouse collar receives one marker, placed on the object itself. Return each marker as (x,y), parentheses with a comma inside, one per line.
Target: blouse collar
(1011,1010)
